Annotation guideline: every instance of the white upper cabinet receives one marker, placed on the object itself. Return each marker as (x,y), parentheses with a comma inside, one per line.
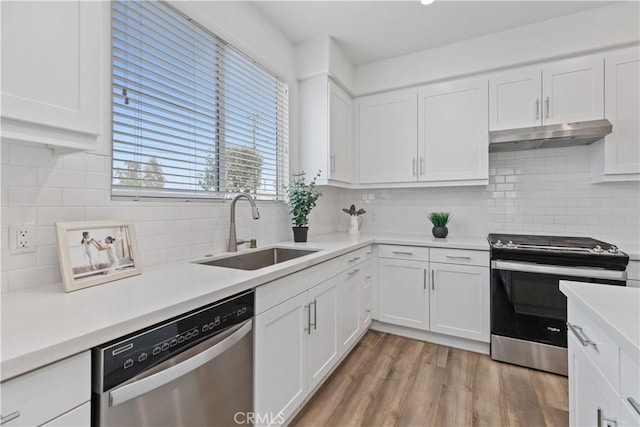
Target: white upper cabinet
(388,132)
(622,89)
(563,92)
(51,59)
(453,139)
(515,100)
(325,130)
(573,91)
(340,166)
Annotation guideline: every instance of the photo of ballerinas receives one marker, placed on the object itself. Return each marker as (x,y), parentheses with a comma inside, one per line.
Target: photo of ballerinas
(100,251)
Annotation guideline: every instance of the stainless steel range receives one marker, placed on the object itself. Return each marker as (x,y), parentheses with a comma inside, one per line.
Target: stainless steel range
(528,311)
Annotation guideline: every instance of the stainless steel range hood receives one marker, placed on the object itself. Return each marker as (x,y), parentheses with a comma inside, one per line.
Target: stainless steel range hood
(550,136)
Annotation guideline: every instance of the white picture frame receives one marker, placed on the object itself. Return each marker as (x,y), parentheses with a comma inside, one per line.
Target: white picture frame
(96,252)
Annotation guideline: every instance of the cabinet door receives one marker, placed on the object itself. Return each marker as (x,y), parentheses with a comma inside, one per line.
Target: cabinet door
(387,137)
(453,131)
(323,343)
(339,134)
(514,100)
(459,301)
(350,315)
(51,70)
(281,358)
(402,290)
(622,90)
(573,91)
(591,396)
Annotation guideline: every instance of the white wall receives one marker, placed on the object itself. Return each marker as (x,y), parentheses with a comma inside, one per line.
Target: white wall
(41,188)
(580,33)
(537,191)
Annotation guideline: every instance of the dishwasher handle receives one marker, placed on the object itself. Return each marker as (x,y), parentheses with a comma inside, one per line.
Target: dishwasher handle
(147,384)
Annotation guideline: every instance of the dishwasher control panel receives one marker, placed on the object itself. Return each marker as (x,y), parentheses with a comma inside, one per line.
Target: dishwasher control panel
(125,358)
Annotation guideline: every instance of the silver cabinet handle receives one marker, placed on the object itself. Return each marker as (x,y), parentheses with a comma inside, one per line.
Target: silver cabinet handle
(458,257)
(537,108)
(333,163)
(425,279)
(354,271)
(354,259)
(433,280)
(308,328)
(12,416)
(635,405)
(315,314)
(585,341)
(401,253)
(152,382)
(546,104)
(604,421)
(414,166)
(421,165)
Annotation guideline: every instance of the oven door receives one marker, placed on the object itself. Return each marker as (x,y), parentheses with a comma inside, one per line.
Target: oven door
(526,302)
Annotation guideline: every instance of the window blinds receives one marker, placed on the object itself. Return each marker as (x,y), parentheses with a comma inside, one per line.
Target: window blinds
(193,118)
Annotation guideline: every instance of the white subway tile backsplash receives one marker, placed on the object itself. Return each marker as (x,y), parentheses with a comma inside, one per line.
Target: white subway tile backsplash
(60,178)
(535,191)
(40,188)
(51,215)
(97,180)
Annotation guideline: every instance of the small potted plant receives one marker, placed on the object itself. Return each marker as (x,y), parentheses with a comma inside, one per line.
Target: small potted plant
(356,219)
(302,198)
(439,221)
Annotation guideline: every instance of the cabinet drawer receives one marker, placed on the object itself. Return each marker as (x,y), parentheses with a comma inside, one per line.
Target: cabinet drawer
(597,345)
(460,256)
(629,379)
(403,252)
(44,394)
(354,258)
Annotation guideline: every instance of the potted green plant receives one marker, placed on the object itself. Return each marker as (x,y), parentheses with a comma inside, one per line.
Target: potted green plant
(302,198)
(439,221)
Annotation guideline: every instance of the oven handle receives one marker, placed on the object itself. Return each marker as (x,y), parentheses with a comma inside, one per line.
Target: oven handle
(529,267)
(145,385)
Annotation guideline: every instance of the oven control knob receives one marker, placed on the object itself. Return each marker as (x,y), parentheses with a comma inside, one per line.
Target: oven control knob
(498,244)
(598,249)
(613,249)
(510,244)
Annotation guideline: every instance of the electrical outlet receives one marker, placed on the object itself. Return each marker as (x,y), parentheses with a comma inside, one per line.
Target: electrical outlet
(22,238)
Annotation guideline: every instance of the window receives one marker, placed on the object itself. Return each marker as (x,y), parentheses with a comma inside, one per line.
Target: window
(193,118)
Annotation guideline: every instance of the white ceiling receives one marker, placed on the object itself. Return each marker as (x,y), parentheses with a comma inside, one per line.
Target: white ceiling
(372,30)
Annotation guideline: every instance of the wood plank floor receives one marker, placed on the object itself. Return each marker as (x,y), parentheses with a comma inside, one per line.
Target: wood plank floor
(394,381)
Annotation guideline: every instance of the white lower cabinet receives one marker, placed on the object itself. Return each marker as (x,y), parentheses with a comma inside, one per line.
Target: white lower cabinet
(280,377)
(459,301)
(350,289)
(322,337)
(58,393)
(299,341)
(604,383)
(592,399)
(403,298)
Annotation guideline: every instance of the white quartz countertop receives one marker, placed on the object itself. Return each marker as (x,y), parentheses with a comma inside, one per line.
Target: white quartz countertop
(43,324)
(616,309)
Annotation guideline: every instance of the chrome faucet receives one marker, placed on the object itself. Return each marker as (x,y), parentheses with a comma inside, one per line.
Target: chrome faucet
(233,241)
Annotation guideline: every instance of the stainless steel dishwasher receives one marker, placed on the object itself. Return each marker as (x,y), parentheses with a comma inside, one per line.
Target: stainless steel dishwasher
(194,370)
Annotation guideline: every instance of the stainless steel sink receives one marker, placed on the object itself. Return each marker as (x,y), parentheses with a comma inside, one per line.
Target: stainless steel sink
(258,259)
